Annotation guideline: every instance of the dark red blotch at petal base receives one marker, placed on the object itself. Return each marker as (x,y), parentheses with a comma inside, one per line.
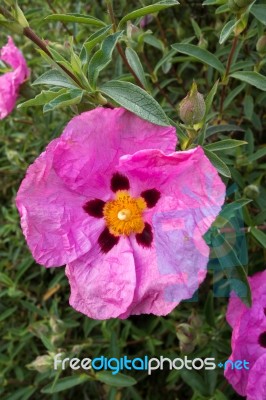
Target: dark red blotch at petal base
(94,208)
(119,182)
(145,237)
(151,197)
(262,339)
(107,241)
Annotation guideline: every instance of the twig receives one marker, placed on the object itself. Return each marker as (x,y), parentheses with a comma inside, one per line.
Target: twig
(119,47)
(228,66)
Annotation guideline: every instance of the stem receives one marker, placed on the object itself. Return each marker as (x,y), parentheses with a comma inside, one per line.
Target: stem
(228,66)
(118,45)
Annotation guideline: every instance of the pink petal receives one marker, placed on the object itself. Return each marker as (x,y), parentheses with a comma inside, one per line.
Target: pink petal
(12,56)
(8,94)
(93,142)
(54,223)
(10,81)
(102,286)
(173,268)
(256,388)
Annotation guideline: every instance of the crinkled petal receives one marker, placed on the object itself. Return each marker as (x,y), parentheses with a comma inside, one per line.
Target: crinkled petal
(236,307)
(245,346)
(256,387)
(12,56)
(56,227)
(102,285)
(8,94)
(191,197)
(93,142)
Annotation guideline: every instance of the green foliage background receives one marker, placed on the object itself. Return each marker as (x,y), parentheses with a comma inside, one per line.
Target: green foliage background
(35,319)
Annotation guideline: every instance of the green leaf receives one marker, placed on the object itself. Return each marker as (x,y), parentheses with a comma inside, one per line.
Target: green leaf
(79,18)
(95,38)
(259,236)
(102,57)
(42,98)
(55,78)
(225,144)
(153,8)
(229,211)
(67,99)
(237,275)
(5,314)
(136,100)
(227,30)
(200,54)
(118,380)
(251,77)
(212,130)
(218,163)
(233,93)
(259,12)
(134,62)
(255,156)
(210,97)
(65,383)
(212,2)
(248,106)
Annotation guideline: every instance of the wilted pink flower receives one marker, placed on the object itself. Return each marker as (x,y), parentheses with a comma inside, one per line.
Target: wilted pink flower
(146,20)
(249,341)
(10,81)
(113,200)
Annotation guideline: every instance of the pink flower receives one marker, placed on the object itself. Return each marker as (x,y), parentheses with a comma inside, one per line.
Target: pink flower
(249,341)
(10,81)
(113,200)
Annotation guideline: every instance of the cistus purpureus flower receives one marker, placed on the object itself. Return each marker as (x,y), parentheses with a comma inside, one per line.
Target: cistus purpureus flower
(113,199)
(11,81)
(249,341)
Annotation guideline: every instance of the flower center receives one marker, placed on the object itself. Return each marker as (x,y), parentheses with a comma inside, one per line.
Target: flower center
(123,215)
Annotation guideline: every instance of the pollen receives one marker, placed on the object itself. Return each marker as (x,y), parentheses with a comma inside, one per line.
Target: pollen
(123,215)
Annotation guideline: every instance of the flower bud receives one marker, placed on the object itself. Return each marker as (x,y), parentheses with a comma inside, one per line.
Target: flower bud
(186,336)
(239,6)
(261,45)
(252,191)
(41,364)
(192,108)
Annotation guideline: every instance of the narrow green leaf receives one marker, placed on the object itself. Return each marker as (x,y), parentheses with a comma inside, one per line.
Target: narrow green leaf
(236,275)
(79,18)
(118,380)
(153,8)
(66,99)
(55,78)
(210,97)
(200,54)
(225,144)
(134,62)
(259,153)
(212,2)
(95,38)
(65,383)
(5,314)
(248,106)
(259,12)
(136,100)
(227,30)
(259,236)
(102,57)
(218,163)
(229,211)
(233,93)
(251,77)
(42,98)
(212,130)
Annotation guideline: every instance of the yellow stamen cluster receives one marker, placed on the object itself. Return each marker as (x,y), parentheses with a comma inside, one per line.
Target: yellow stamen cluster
(123,215)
